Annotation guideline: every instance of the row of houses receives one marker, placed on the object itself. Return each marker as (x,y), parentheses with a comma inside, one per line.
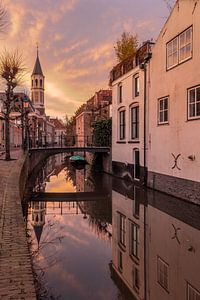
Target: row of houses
(98,107)
(156,108)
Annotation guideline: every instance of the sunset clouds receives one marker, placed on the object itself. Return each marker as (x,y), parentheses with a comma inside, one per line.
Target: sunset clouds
(76,40)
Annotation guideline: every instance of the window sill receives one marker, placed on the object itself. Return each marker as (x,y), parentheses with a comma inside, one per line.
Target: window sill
(193,119)
(133,142)
(121,142)
(164,123)
(178,64)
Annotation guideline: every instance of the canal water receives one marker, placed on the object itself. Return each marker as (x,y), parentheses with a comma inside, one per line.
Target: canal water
(110,239)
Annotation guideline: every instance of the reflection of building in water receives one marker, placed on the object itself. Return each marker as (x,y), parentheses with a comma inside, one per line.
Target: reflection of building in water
(174,249)
(38,218)
(128,244)
(53,166)
(83,180)
(156,251)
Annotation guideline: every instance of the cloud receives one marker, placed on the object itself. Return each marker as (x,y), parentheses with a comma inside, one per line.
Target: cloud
(76,41)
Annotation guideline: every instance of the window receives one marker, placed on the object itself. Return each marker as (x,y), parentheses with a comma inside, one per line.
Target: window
(120,261)
(162,273)
(120,93)
(136,282)
(179,49)
(185,45)
(36,82)
(122,230)
(134,240)
(41,97)
(163,109)
(136,86)
(172,53)
(36,98)
(40,82)
(194,103)
(192,293)
(135,122)
(136,203)
(136,163)
(122,125)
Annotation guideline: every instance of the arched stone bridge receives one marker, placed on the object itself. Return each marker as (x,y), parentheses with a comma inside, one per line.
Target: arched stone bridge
(38,155)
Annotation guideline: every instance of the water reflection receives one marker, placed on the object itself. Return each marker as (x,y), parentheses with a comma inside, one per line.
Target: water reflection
(132,245)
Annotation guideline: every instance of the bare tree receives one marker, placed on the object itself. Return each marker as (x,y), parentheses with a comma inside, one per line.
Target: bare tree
(11,71)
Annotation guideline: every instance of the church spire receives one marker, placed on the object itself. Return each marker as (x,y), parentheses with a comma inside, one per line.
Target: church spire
(37,68)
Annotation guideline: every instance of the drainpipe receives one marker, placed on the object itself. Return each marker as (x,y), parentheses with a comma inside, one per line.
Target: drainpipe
(145,122)
(143,66)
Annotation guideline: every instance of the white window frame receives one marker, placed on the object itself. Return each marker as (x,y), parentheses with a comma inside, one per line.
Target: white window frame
(175,46)
(191,289)
(136,277)
(163,273)
(186,44)
(120,261)
(135,122)
(120,92)
(134,240)
(195,103)
(121,126)
(163,110)
(136,92)
(122,229)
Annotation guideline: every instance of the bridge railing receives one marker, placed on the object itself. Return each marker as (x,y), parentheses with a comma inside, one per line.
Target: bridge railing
(67,141)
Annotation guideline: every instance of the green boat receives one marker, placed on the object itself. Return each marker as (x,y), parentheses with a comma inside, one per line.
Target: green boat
(77,159)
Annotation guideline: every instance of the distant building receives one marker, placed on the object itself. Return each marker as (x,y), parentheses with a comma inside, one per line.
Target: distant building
(84,129)
(59,131)
(96,108)
(37,87)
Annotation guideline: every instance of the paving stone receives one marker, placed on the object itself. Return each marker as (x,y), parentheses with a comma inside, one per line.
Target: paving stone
(16,277)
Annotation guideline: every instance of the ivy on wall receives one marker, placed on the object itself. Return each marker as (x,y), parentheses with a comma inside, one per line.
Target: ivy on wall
(102,132)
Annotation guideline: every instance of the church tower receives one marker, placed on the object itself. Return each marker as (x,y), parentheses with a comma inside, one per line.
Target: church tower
(37,87)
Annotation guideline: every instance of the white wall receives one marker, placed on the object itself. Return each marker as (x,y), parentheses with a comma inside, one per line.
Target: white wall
(179,136)
(124,152)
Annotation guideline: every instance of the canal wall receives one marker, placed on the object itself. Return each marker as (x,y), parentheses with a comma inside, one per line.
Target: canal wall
(16,274)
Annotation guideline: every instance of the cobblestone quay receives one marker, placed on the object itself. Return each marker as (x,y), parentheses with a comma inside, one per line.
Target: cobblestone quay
(16,276)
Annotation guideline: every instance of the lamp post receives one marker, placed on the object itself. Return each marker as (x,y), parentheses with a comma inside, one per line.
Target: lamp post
(25,125)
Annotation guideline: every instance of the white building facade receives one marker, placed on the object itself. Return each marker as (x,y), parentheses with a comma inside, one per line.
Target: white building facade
(130,86)
(174,107)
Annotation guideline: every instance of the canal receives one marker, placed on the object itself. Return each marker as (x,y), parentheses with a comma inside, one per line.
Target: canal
(116,241)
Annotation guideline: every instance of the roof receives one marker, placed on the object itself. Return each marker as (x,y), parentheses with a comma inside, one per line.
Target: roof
(37,68)
(58,124)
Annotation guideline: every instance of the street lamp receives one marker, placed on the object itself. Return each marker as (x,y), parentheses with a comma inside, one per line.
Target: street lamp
(25,106)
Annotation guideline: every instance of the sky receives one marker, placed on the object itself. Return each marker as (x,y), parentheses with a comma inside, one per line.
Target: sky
(76,39)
